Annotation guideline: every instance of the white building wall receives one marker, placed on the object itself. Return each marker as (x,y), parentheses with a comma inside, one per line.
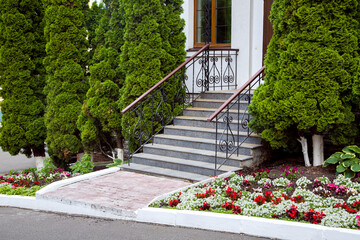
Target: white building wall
(247,34)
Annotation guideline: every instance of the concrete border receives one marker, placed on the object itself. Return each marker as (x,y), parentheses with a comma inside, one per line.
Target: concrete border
(261,227)
(55,185)
(52,206)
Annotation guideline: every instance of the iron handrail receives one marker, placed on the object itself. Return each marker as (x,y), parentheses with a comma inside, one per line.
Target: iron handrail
(237,93)
(139,99)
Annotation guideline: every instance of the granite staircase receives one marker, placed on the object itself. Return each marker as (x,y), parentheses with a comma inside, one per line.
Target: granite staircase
(186,149)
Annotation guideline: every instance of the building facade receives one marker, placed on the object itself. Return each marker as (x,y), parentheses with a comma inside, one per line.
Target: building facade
(240,25)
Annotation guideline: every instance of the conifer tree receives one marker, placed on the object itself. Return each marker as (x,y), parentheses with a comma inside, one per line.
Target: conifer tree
(22,49)
(100,119)
(66,85)
(311,66)
(153,47)
(93,17)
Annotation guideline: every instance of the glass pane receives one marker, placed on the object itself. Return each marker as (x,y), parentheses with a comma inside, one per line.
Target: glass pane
(200,20)
(223,35)
(223,3)
(223,21)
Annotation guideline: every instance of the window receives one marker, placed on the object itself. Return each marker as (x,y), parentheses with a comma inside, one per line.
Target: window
(220,22)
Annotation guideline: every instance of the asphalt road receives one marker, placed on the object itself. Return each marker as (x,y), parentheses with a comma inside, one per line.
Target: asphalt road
(34,225)
(18,162)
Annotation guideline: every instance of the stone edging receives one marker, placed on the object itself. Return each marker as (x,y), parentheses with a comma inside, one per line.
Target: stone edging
(53,186)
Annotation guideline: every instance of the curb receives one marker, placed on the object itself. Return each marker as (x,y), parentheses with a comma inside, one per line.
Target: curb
(53,186)
(260,227)
(52,206)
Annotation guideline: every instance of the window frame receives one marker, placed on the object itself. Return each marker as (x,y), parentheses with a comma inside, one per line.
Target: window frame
(213,27)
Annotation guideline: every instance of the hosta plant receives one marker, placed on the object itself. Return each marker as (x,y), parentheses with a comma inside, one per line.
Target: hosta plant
(348,162)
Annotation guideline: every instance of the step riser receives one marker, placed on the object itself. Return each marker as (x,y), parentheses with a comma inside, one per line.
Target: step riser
(199,113)
(208,135)
(222,96)
(195,145)
(205,124)
(189,156)
(175,166)
(201,104)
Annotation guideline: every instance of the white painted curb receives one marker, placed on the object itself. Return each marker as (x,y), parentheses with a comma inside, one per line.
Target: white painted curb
(52,206)
(261,227)
(55,185)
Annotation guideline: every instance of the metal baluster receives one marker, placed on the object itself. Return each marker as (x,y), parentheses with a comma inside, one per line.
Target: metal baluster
(129,143)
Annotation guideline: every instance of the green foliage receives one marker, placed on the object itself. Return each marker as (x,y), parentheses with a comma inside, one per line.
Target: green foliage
(48,167)
(100,118)
(66,60)
(154,46)
(311,66)
(84,166)
(22,191)
(22,49)
(93,17)
(348,162)
(117,162)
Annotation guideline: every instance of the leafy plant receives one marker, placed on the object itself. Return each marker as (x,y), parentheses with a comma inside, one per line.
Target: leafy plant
(84,166)
(348,161)
(116,162)
(48,166)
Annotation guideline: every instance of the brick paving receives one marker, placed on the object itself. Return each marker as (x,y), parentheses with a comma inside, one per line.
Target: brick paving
(120,190)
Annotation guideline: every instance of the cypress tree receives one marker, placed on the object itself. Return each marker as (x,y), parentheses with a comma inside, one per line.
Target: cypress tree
(153,47)
(311,66)
(67,56)
(100,119)
(93,17)
(22,49)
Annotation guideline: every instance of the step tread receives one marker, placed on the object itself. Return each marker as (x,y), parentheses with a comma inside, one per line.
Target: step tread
(214,109)
(165,172)
(201,129)
(201,140)
(181,161)
(216,100)
(198,151)
(197,118)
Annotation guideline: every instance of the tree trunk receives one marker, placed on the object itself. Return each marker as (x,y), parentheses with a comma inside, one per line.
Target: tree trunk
(318,149)
(119,146)
(39,156)
(304,147)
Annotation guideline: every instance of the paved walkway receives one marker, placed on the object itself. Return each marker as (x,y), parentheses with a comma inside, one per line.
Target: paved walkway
(120,190)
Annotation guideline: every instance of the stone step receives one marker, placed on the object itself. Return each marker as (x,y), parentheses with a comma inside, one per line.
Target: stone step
(221,94)
(216,103)
(157,171)
(195,121)
(199,143)
(208,133)
(206,112)
(185,165)
(195,154)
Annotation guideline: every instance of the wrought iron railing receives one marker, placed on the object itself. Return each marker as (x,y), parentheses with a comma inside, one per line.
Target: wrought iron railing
(232,133)
(206,70)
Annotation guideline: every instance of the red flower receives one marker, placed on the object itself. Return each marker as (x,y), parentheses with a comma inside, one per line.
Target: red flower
(228,205)
(205,206)
(313,217)
(292,212)
(298,199)
(174,202)
(268,196)
(237,210)
(286,197)
(260,200)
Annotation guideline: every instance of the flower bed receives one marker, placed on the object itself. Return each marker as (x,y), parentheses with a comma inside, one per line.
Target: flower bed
(29,181)
(329,202)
